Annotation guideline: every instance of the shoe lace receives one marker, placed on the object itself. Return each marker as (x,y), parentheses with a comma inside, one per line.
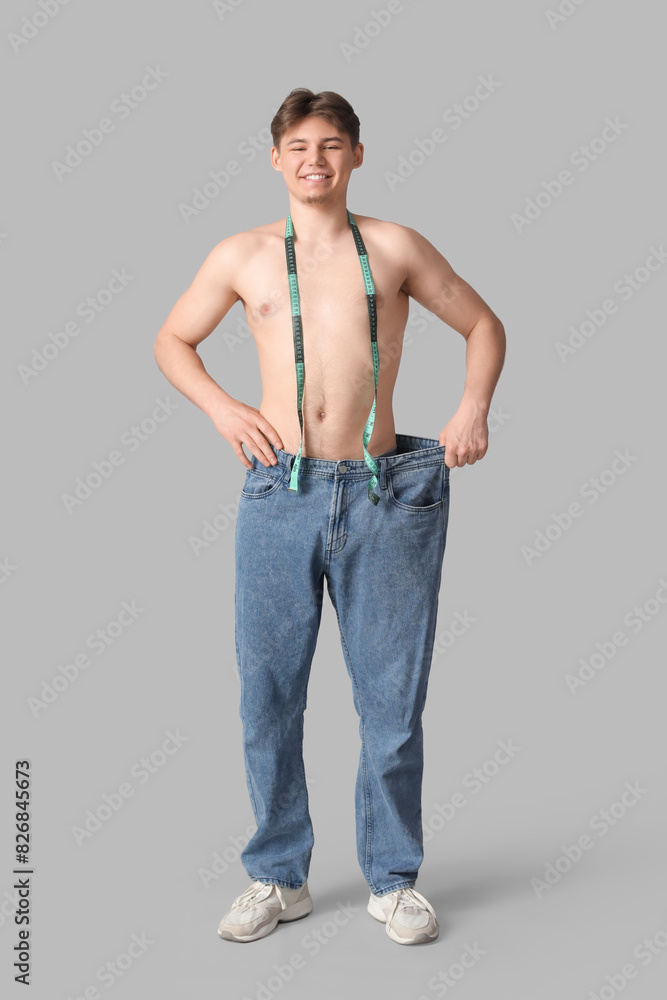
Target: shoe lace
(249,897)
(411,901)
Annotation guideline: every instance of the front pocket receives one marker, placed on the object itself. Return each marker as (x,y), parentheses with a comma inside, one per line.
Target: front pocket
(417,490)
(259,484)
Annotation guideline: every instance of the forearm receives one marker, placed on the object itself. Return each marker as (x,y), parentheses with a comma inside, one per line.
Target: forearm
(183,367)
(485,356)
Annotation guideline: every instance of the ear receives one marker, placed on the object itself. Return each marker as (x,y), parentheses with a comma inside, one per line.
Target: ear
(275,158)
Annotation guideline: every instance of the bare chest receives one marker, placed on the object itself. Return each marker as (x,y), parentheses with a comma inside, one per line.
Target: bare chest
(333,304)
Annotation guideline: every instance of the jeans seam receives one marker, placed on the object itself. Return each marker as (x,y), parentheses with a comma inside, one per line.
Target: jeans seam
(303,764)
(245,755)
(367,797)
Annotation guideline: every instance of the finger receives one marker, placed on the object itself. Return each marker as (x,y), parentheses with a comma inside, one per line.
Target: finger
(261,450)
(242,456)
(271,433)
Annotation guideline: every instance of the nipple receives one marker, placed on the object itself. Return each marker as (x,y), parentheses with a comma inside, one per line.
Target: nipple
(266,308)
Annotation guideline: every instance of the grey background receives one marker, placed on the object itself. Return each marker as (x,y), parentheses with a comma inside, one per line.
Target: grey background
(560,425)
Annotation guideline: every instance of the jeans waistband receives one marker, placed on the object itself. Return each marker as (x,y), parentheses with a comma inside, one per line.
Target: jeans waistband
(411,452)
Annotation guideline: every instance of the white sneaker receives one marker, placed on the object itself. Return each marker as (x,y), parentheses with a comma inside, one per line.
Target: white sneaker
(258,910)
(409,918)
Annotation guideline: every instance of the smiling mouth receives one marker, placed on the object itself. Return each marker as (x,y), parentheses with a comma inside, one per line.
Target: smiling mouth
(316,178)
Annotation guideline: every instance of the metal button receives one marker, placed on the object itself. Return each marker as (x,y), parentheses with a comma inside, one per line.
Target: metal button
(342,468)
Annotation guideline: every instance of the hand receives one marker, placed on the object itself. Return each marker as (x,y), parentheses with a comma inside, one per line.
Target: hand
(466,436)
(242,424)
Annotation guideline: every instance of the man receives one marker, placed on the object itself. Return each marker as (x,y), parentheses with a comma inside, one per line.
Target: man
(332,491)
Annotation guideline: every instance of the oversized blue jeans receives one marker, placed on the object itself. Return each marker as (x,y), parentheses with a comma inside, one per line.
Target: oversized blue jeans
(383,566)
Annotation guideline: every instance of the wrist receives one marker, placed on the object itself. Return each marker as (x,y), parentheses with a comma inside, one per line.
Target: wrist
(476,403)
(217,404)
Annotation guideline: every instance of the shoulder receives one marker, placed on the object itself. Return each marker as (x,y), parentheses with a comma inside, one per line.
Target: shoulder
(240,246)
(379,227)
(386,234)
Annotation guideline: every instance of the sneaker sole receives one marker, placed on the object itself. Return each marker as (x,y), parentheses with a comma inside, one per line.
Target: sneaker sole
(294,912)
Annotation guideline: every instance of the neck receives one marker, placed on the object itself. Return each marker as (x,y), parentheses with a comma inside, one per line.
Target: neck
(314,223)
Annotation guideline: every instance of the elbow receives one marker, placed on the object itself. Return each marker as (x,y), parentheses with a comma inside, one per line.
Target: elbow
(497,329)
(490,324)
(158,348)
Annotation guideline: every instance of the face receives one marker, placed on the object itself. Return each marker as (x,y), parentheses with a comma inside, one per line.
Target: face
(312,148)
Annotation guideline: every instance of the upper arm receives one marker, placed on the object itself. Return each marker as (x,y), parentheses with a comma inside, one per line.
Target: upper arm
(210,296)
(433,283)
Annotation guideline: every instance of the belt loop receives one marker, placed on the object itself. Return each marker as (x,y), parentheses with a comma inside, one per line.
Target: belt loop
(383,473)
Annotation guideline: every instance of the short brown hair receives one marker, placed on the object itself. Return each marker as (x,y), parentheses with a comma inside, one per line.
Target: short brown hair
(302,102)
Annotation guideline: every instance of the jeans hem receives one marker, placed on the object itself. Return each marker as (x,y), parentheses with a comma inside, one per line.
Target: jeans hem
(268,880)
(393,888)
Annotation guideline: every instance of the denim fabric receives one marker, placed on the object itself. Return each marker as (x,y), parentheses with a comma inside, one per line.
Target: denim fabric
(383,567)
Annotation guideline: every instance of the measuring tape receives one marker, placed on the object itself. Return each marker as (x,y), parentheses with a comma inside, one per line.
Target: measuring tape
(297,332)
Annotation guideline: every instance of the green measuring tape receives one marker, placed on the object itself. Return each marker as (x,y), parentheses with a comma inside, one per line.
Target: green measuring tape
(297,333)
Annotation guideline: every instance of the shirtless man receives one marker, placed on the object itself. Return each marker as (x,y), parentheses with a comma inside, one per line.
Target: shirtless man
(333,491)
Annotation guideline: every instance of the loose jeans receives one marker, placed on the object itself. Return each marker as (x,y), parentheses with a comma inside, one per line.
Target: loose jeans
(383,566)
